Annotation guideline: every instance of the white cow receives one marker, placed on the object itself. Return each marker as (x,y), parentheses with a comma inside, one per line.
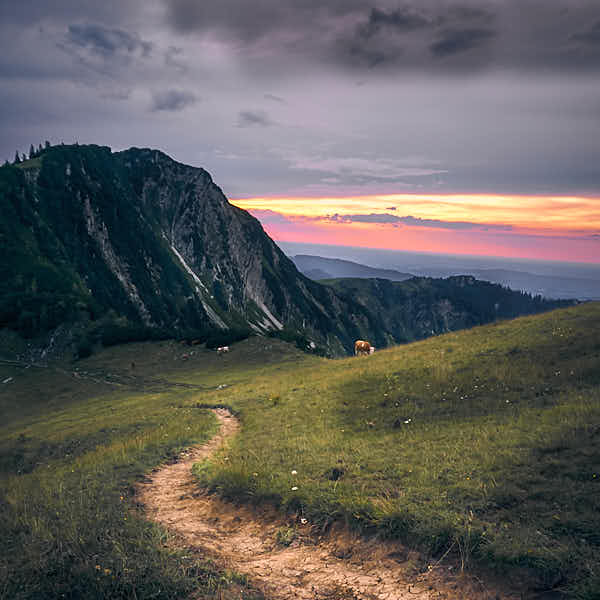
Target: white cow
(222,349)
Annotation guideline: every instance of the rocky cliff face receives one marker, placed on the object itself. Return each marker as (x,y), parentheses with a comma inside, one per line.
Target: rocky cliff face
(156,241)
(239,274)
(87,233)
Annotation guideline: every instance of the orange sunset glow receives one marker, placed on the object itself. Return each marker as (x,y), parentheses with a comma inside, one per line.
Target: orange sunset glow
(544,227)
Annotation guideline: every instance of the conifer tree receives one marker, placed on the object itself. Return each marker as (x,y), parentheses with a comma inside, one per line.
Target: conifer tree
(17,158)
(46,144)
(31,151)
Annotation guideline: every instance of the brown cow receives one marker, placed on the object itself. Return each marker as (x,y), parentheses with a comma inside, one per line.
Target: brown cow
(362,348)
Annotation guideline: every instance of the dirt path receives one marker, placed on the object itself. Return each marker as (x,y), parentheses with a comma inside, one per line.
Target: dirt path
(336,566)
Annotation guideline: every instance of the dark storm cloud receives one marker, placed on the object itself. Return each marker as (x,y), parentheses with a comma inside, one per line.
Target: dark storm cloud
(591,36)
(410,221)
(464,13)
(243,20)
(453,42)
(106,41)
(172,100)
(401,19)
(525,35)
(253,118)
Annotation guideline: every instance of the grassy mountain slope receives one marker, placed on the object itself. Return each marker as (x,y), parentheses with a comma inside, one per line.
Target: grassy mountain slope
(135,241)
(483,443)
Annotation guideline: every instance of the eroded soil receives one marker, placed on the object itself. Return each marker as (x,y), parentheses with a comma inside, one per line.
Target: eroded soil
(336,565)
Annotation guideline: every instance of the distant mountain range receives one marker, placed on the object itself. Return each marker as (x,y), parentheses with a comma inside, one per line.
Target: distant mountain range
(547,286)
(129,239)
(317,267)
(545,278)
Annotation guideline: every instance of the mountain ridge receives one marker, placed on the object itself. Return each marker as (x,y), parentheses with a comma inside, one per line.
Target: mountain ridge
(134,237)
(318,267)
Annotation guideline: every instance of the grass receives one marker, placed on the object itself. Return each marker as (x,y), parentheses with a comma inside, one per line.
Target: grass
(481,445)
(483,442)
(67,468)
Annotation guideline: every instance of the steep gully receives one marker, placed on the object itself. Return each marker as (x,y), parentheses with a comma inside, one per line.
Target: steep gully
(336,565)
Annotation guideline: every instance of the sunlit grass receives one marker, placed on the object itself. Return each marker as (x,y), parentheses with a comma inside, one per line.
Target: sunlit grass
(485,442)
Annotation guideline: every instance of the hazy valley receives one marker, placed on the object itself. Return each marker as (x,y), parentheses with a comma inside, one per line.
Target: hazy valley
(550,279)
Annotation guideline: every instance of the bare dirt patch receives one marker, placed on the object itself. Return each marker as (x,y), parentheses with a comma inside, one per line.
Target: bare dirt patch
(284,556)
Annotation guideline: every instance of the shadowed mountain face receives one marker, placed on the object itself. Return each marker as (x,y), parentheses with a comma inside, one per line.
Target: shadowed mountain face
(420,307)
(86,231)
(88,234)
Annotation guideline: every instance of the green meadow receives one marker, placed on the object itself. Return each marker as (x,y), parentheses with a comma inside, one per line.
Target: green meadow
(480,448)
(71,448)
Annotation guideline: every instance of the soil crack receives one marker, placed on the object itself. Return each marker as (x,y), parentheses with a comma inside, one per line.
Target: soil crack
(338,565)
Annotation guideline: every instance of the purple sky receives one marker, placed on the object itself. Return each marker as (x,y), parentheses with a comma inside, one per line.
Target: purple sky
(304,97)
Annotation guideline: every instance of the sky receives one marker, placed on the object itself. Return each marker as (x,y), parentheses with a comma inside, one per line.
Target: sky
(455,126)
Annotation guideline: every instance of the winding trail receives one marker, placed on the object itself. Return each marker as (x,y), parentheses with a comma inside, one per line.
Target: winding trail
(336,565)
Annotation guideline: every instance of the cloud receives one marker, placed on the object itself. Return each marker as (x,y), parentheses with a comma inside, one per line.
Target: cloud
(518,113)
(591,36)
(437,224)
(173,100)
(274,98)
(173,59)
(408,34)
(358,168)
(271,217)
(253,118)
(466,13)
(370,218)
(457,41)
(411,221)
(400,20)
(105,41)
